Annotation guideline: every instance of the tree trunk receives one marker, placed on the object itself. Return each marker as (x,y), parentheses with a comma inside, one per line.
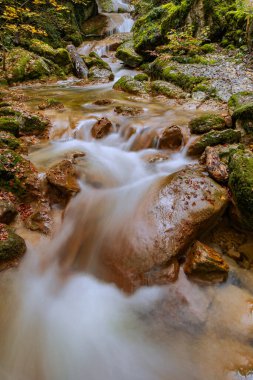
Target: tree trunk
(80,68)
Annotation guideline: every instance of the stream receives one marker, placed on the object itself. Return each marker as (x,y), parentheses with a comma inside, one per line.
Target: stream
(59,320)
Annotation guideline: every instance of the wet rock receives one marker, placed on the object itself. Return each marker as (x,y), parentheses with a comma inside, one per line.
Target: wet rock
(128,111)
(205,264)
(59,56)
(18,175)
(171,215)
(40,219)
(8,211)
(8,111)
(12,247)
(79,66)
(206,123)
(160,87)
(162,275)
(51,103)
(127,54)
(241,186)
(212,138)
(217,169)
(101,128)
(98,68)
(171,138)
(244,116)
(98,73)
(63,178)
(130,85)
(147,138)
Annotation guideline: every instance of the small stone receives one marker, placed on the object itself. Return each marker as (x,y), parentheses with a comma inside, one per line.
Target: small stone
(40,220)
(215,167)
(101,128)
(162,275)
(103,102)
(12,247)
(63,177)
(128,111)
(7,212)
(205,264)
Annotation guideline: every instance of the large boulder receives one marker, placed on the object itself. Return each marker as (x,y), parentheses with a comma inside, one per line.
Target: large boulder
(206,123)
(128,55)
(175,211)
(241,186)
(131,85)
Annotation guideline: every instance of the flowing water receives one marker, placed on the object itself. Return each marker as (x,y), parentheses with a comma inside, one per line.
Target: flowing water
(59,321)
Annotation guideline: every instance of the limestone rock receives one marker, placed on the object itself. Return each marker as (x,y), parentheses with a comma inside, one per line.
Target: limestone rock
(101,128)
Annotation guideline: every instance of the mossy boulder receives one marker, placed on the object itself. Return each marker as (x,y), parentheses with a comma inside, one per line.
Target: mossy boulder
(142,77)
(8,140)
(12,246)
(241,186)
(23,65)
(131,85)
(163,68)
(32,125)
(212,138)
(169,90)
(60,56)
(8,211)
(244,115)
(18,175)
(128,55)
(98,68)
(206,123)
(10,124)
(240,99)
(8,111)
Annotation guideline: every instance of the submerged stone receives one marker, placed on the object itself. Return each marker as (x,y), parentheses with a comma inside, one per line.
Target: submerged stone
(204,264)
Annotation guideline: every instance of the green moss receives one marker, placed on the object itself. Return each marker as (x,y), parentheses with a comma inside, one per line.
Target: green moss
(93,60)
(32,125)
(142,77)
(127,54)
(244,114)
(8,111)
(130,85)
(59,56)
(212,138)
(193,60)
(206,123)
(209,91)
(240,99)
(8,140)
(9,124)
(167,89)
(241,185)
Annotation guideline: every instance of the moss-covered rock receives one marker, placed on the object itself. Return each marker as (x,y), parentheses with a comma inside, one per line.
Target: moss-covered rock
(240,99)
(162,68)
(32,125)
(8,211)
(18,175)
(244,115)
(10,124)
(142,77)
(8,140)
(60,56)
(212,138)
(8,111)
(169,90)
(241,186)
(12,246)
(127,54)
(130,85)
(23,65)
(206,123)
(98,68)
